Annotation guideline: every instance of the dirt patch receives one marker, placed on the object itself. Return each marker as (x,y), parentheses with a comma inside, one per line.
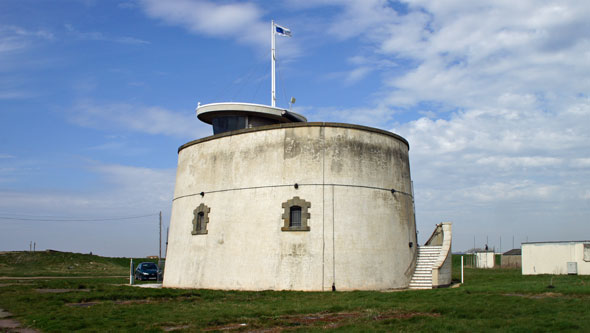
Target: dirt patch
(309,319)
(4,314)
(229,327)
(8,324)
(133,301)
(58,291)
(405,315)
(82,304)
(15,284)
(538,296)
(125,302)
(175,328)
(322,319)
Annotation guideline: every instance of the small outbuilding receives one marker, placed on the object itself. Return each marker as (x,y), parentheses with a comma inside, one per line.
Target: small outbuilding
(511,259)
(485,259)
(561,257)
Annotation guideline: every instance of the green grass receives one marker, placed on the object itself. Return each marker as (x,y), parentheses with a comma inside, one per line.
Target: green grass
(55,263)
(490,300)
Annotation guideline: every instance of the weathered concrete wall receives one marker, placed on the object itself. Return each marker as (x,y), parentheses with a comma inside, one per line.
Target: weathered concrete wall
(509,261)
(552,257)
(359,230)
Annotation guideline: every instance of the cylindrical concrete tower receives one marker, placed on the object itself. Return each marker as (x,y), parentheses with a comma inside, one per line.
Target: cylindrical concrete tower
(291,206)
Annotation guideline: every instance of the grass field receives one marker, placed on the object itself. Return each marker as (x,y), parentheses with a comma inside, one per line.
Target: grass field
(55,263)
(490,300)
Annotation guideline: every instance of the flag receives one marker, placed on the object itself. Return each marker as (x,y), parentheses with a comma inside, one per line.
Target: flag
(282,31)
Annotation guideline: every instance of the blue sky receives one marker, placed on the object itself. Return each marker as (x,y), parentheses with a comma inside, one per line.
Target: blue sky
(96,97)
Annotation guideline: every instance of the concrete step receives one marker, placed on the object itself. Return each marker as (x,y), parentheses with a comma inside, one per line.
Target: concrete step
(423,269)
(424,264)
(420,287)
(421,283)
(422,278)
(429,248)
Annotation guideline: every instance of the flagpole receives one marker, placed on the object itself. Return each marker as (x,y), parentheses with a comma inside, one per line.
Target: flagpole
(272,56)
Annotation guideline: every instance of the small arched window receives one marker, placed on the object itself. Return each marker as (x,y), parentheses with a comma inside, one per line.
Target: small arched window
(200,220)
(295,216)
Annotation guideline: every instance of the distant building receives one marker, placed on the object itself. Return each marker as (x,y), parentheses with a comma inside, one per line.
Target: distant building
(511,259)
(485,259)
(565,257)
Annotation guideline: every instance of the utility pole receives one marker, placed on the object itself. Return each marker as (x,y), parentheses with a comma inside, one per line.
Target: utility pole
(167,235)
(160,248)
(31,246)
(160,242)
(34,246)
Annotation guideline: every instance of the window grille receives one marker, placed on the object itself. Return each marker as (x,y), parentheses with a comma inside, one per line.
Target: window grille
(200,220)
(295,217)
(200,224)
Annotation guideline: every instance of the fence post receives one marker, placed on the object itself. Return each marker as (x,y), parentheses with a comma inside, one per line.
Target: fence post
(461,269)
(131,272)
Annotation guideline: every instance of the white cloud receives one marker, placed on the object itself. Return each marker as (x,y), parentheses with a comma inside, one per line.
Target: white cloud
(16,94)
(145,119)
(504,85)
(99,36)
(581,162)
(237,20)
(14,38)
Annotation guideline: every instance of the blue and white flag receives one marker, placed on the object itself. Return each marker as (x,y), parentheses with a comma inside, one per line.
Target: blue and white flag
(282,31)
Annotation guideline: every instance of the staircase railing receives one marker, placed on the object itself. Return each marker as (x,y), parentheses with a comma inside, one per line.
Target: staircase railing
(442,267)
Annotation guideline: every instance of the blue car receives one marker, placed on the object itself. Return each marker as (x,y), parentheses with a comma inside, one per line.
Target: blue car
(146,271)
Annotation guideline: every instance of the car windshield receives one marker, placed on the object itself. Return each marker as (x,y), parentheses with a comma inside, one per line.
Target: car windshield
(149,266)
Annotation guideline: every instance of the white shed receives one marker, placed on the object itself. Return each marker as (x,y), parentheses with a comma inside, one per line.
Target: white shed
(485,259)
(567,257)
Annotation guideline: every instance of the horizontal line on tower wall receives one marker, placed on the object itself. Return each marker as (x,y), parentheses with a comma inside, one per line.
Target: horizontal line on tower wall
(296,185)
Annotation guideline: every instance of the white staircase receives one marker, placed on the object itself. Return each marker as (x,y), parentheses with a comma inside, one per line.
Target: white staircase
(427,256)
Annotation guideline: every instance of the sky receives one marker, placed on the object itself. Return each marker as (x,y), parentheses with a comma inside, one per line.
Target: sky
(97,96)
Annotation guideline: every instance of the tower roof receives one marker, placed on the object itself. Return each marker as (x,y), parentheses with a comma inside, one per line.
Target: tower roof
(206,113)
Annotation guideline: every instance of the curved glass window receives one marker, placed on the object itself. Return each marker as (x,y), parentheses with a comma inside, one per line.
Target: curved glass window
(228,123)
